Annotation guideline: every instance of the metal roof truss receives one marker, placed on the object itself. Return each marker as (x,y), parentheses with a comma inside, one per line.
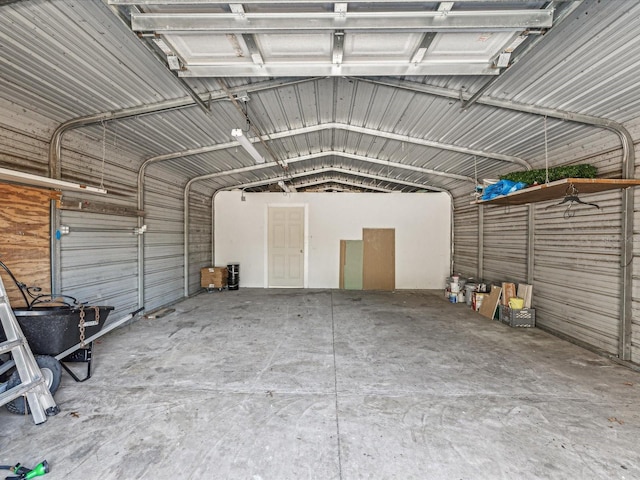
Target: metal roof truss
(258,39)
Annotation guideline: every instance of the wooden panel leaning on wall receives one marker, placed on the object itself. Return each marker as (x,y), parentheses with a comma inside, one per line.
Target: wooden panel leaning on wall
(379,259)
(25,243)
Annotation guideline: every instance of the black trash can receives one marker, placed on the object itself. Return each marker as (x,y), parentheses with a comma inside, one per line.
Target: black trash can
(233,278)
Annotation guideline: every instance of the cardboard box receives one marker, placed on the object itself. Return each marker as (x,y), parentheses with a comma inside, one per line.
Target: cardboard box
(213,277)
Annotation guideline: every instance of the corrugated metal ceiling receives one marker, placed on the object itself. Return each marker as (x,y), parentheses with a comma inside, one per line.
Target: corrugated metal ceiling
(69,58)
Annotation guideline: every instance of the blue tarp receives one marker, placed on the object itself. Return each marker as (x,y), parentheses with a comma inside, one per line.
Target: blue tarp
(503,187)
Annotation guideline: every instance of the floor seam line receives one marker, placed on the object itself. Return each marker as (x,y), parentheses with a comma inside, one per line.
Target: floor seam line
(335,380)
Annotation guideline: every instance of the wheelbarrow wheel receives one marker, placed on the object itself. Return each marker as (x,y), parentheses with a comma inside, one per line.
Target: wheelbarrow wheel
(52,373)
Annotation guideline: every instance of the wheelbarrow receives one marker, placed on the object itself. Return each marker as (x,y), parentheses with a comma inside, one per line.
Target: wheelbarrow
(59,330)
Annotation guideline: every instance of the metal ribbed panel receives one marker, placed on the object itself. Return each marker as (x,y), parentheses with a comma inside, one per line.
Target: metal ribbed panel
(505,243)
(199,237)
(577,270)
(164,240)
(586,64)
(416,115)
(100,266)
(20,149)
(465,236)
(79,58)
(115,175)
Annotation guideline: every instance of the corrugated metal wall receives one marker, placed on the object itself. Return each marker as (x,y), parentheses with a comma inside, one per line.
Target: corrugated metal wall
(199,236)
(100,266)
(505,243)
(576,273)
(465,234)
(577,276)
(163,241)
(20,146)
(99,256)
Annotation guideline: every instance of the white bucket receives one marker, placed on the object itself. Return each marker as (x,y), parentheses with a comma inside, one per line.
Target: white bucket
(461,297)
(455,287)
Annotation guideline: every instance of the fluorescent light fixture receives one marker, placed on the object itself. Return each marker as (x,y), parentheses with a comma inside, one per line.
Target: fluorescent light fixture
(247,145)
(38,181)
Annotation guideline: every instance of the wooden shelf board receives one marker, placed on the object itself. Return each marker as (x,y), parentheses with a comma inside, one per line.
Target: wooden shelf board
(558,189)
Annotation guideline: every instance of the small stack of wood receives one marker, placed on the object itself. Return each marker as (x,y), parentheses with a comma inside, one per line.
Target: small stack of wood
(213,277)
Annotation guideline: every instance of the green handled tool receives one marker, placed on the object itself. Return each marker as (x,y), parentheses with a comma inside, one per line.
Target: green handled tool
(25,473)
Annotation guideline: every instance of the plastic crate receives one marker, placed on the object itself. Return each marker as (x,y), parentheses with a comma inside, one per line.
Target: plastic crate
(525,317)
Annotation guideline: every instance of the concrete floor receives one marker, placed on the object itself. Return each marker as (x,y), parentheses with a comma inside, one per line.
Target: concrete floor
(318,384)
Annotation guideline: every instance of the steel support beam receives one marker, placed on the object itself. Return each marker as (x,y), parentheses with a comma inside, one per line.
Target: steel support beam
(55,144)
(250,2)
(342,182)
(311,156)
(348,128)
(328,69)
(344,171)
(355,21)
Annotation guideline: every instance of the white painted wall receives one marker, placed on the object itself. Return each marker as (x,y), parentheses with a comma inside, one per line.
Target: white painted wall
(422,222)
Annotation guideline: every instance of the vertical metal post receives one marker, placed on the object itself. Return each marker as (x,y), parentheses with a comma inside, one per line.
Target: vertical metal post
(55,249)
(186,227)
(213,227)
(140,265)
(480,242)
(531,223)
(452,246)
(140,204)
(626,260)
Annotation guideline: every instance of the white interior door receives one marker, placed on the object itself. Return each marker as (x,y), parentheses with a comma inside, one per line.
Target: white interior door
(286,247)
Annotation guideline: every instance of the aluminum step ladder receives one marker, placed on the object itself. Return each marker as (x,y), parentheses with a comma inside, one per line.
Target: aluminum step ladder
(33,383)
